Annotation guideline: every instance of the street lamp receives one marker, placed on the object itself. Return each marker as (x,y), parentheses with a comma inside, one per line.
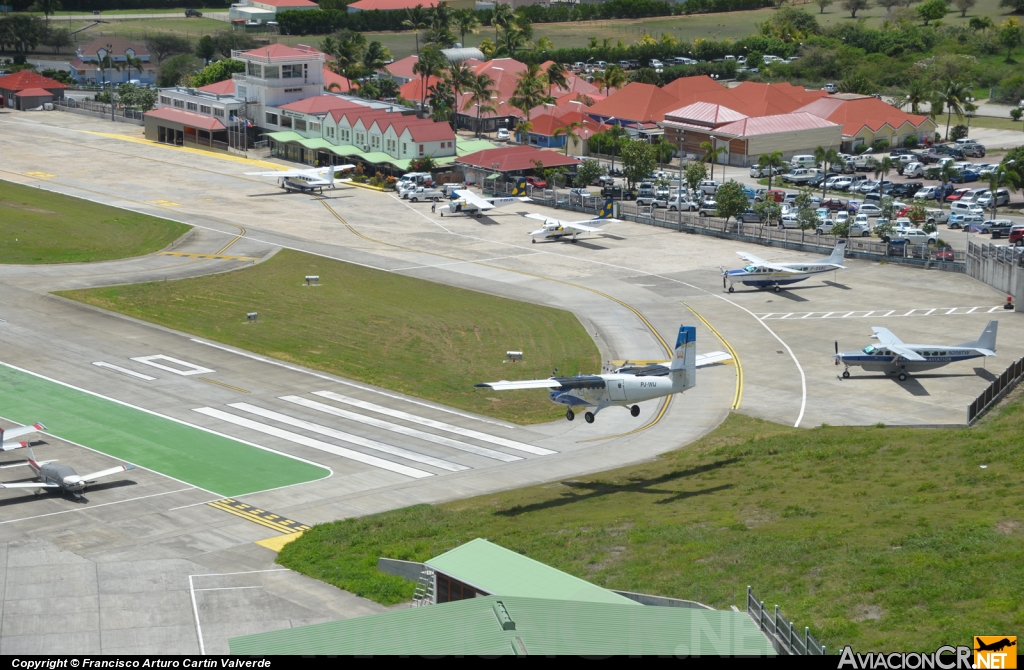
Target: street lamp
(969,110)
(110,51)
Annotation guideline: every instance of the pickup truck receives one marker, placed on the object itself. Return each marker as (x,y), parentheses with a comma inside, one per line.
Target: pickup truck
(936,216)
(423,193)
(801,175)
(916,236)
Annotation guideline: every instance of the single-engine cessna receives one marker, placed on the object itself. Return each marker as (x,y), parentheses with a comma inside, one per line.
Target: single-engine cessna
(306,180)
(53,476)
(762,274)
(893,356)
(554,229)
(9,437)
(627,385)
(469,203)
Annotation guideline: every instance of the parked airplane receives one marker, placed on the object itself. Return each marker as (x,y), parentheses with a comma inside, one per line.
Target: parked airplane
(893,356)
(52,476)
(7,436)
(470,203)
(762,274)
(306,180)
(554,229)
(627,385)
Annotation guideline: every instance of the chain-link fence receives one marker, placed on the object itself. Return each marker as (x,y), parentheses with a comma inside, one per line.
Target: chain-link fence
(98,109)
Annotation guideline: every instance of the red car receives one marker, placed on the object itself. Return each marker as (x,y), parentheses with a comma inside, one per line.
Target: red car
(536,182)
(944,254)
(834,204)
(957,194)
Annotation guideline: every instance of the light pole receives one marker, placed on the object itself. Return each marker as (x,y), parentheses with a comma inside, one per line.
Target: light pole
(714,157)
(110,51)
(969,110)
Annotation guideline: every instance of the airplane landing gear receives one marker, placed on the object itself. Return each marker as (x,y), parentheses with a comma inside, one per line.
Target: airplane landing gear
(903,376)
(846,374)
(569,415)
(534,240)
(777,288)
(731,289)
(573,240)
(589,416)
(634,410)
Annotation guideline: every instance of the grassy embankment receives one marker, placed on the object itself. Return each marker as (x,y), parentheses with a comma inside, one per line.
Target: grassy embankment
(409,335)
(883,538)
(38,226)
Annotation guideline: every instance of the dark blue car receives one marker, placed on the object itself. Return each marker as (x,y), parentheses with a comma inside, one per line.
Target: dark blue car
(964,177)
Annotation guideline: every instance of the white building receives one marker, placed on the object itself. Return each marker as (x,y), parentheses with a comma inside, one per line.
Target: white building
(263,11)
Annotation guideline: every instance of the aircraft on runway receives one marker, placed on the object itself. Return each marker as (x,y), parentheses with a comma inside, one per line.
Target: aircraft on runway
(306,180)
(627,385)
(554,229)
(15,433)
(893,356)
(61,477)
(762,274)
(470,203)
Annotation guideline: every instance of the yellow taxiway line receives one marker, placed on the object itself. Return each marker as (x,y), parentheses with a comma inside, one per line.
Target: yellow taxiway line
(738,395)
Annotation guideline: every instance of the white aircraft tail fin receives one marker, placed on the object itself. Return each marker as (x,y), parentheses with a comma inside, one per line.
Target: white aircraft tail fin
(987,341)
(685,357)
(836,258)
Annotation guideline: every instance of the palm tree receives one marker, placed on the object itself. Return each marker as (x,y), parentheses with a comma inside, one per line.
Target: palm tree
(711,153)
(883,168)
(529,91)
(557,75)
(501,16)
(613,77)
(133,62)
(375,57)
(107,63)
(460,78)
(615,136)
(429,64)
(347,48)
(1003,175)
(544,43)
(918,93)
(569,130)
(824,157)
(953,95)
(946,172)
(480,92)
(416,19)
(513,39)
(770,162)
(464,21)
(47,7)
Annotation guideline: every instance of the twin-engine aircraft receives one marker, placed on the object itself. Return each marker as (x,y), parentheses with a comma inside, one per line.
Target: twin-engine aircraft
(470,204)
(555,230)
(895,357)
(627,385)
(306,180)
(762,274)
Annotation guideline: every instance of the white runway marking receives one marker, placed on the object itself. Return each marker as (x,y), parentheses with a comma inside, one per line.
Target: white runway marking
(126,371)
(466,432)
(115,502)
(315,444)
(403,430)
(875,313)
(190,368)
(348,437)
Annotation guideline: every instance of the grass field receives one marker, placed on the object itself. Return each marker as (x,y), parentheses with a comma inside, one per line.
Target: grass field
(882,538)
(406,334)
(980,122)
(38,226)
(217,464)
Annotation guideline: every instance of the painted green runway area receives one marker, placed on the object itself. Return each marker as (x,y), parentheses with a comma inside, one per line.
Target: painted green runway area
(211,462)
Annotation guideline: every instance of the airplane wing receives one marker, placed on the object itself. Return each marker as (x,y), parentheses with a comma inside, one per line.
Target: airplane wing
(581,226)
(515,386)
(13,433)
(885,336)
(106,473)
(751,258)
(277,174)
(712,357)
(29,485)
(473,200)
(11,446)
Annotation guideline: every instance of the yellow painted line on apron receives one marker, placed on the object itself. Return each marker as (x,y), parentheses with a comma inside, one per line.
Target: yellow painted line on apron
(227,157)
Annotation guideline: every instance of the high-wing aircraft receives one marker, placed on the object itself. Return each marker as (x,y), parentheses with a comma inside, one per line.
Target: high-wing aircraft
(762,274)
(627,385)
(306,180)
(895,357)
(8,437)
(470,203)
(554,229)
(53,476)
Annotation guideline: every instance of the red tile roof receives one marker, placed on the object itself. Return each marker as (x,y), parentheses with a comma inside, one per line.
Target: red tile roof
(704,113)
(332,77)
(287,3)
(636,102)
(391,5)
(191,119)
(19,81)
(33,93)
(403,67)
(280,51)
(855,114)
(421,130)
(779,123)
(320,104)
(547,124)
(226,87)
(509,159)
(118,47)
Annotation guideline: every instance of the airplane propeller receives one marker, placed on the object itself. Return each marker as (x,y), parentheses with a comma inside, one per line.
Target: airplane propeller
(837,352)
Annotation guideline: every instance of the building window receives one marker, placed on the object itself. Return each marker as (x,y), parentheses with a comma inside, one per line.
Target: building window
(271,119)
(360,139)
(164,100)
(286,122)
(300,124)
(405,148)
(314,127)
(179,103)
(192,107)
(255,70)
(345,134)
(291,71)
(205,109)
(330,132)
(270,72)
(375,141)
(421,150)
(217,111)
(292,90)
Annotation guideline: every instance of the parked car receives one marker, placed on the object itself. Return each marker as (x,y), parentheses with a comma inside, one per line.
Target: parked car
(913,170)
(788,221)
(618,193)
(869,209)
(970,147)
(997,227)
(945,253)
(749,216)
(708,208)
(708,186)
(502,135)
(425,193)
(936,216)
(985,199)
(536,182)
(190,13)
(680,203)
(818,180)
(957,194)
(964,221)
(895,247)
(1016,237)
(906,190)
(965,176)
(916,235)
(830,88)
(604,180)
(834,204)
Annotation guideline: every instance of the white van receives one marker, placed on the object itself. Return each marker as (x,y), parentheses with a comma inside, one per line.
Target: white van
(965,208)
(803,161)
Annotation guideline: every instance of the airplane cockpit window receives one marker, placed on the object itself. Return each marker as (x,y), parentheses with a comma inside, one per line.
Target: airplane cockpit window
(750,268)
(870,349)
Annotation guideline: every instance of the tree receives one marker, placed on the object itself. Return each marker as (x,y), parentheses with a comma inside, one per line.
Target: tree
(822,4)
(613,77)
(1016,113)
(175,69)
(544,43)
(711,153)
(480,92)
(953,94)
(946,172)
(23,31)
(768,210)
(107,62)
(587,173)
(428,65)
(694,174)
(464,21)
(918,92)
(529,91)
(501,16)
(770,162)
(613,137)
(47,7)
(964,5)
(459,78)
(229,41)
(569,130)
(730,200)
(133,62)
(347,48)
(557,76)
(806,217)
(416,19)
(206,48)
(219,71)
(1010,34)
(136,97)
(424,164)
(933,10)
(826,158)
(638,161)
(1004,176)
(57,39)
(889,4)
(883,168)
(165,45)
(512,39)
(979,23)
(375,57)
(854,6)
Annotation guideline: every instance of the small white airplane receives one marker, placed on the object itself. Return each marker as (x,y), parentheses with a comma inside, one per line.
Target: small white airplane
(895,357)
(554,229)
(470,203)
(627,385)
(8,437)
(306,180)
(762,274)
(61,477)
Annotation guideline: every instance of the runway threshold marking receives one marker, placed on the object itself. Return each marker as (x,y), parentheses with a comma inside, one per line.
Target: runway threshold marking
(260,516)
(738,394)
(216,257)
(668,351)
(874,313)
(125,371)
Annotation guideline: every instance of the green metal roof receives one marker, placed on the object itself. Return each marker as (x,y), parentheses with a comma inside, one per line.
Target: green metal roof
(497,570)
(466,147)
(462,148)
(285,136)
(532,626)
